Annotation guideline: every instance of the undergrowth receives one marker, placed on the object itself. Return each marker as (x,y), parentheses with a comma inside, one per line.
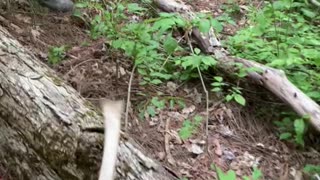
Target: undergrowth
(285,35)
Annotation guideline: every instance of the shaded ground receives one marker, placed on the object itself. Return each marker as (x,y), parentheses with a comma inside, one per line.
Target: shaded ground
(239,138)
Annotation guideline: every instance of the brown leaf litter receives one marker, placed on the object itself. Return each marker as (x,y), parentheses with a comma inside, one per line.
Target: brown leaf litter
(238,137)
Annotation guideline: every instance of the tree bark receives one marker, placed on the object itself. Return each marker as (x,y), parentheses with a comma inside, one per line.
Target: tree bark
(272,79)
(48,131)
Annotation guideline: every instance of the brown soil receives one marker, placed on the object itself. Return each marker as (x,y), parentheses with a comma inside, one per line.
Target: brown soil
(238,137)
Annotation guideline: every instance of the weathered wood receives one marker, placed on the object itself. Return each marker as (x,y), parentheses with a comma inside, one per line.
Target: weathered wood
(47,128)
(273,79)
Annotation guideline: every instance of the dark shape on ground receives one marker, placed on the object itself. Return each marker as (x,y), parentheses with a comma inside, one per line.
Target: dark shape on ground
(58,5)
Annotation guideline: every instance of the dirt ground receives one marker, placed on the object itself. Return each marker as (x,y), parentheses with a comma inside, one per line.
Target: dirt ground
(239,137)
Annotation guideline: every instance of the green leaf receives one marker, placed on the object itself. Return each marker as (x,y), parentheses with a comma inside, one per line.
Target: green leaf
(197,51)
(216,89)
(156,102)
(312,169)
(208,60)
(230,175)
(256,174)
(186,130)
(240,99)
(171,102)
(198,120)
(193,61)
(229,97)
(167,15)
(285,136)
(218,78)
(156,81)
(142,71)
(204,25)
(217,84)
(163,24)
(170,45)
(216,25)
(134,7)
(308,13)
(299,126)
(182,104)
(151,111)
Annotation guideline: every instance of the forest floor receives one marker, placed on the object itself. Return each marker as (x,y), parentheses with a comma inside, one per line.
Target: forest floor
(239,137)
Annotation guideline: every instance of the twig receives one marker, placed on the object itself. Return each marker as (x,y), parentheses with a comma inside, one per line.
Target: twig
(128,99)
(207,109)
(207,102)
(166,143)
(77,65)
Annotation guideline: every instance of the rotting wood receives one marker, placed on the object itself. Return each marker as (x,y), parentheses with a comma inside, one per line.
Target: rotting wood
(272,79)
(47,128)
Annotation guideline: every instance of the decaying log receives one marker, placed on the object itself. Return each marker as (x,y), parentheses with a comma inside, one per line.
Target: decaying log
(273,79)
(47,128)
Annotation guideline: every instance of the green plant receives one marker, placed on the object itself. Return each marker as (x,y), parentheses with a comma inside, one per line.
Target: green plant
(311,169)
(231,175)
(292,129)
(150,43)
(189,127)
(56,54)
(285,35)
(234,92)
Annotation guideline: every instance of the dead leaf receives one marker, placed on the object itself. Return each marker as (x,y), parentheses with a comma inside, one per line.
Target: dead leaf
(225,131)
(175,137)
(195,149)
(161,155)
(171,87)
(217,150)
(189,109)
(228,155)
(198,141)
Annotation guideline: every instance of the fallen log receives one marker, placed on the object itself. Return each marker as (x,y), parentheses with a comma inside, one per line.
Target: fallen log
(272,79)
(48,129)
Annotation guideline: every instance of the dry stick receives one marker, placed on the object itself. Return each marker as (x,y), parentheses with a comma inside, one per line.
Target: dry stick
(207,101)
(128,99)
(166,143)
(207,108)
